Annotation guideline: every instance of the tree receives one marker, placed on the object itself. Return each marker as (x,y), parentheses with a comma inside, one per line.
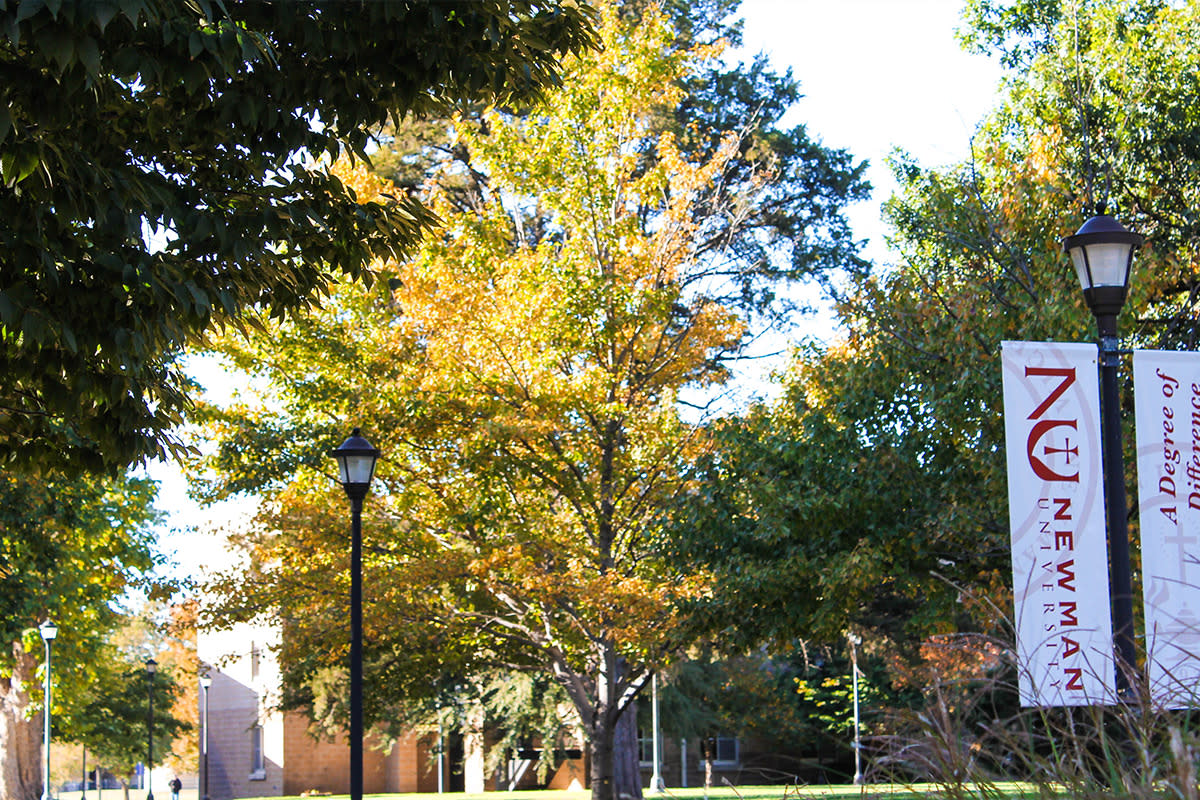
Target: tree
(69,548)
(180,658)
(826,691)
(118,722)
(871,495)
(706,695)
(180,179)
(1100,132)
(845,503)
(522,715)
(162,628)
(523,372)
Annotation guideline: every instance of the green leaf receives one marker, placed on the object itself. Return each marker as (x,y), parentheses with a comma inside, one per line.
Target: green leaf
(12,30)
(16,167)
(89,55)
(28,8)
(58,44)
(133,9)
(105,11)
(119,125)
(198,297)
(35,328)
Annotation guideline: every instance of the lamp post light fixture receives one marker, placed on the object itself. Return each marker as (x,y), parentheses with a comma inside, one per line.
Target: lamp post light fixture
(855,640)
(1102,251)
(48,631)
(356,466)
(151,668)
(205,685)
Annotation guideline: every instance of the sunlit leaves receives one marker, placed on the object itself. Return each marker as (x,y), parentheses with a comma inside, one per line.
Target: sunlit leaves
(873,493)
(71,549)
(520,373)
(178,183)
(599,254)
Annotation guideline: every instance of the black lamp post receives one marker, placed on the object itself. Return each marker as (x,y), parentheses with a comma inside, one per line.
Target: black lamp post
(356,466)
(151,668)
(1102,251)
(48,630)
(205,684)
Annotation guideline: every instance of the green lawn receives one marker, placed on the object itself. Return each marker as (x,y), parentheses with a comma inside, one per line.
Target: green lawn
(831,792)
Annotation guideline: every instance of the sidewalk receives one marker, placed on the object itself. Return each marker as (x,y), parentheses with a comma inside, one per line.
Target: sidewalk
(119,794)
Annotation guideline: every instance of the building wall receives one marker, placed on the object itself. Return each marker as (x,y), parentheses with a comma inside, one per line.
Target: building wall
(245,680)
(413,764)
(323,765)
(243,672)
(682,765)
(242,697)
(571,774)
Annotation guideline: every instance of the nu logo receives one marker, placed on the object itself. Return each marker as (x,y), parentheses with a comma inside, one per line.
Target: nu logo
(1041,468)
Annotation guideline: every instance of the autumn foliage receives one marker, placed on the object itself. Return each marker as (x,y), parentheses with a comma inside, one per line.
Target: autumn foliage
(523,374)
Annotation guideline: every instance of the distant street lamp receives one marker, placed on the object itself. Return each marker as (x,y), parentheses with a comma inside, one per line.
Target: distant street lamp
(356,466)
(205,684)
(48,630)
(855,641)
(656,779)
(1102,251)
(441,754)
(151,668)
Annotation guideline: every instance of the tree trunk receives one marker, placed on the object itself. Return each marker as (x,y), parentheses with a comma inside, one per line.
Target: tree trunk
(600,745)
(20,732)
(627,772)
(615,773)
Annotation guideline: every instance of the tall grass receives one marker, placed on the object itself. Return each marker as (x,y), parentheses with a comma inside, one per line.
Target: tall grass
(972,740)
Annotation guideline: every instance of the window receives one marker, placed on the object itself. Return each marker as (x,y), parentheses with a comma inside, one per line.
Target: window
(726,751)
(258,769)
(723,750)
(645,748)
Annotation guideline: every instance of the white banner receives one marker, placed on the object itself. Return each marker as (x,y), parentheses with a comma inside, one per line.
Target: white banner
(1167,413)
(1056,516)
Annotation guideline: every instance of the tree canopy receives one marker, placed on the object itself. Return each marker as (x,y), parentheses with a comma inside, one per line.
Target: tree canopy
(523,373)
(69,549)
(180,178)
(871,495)
(115,721)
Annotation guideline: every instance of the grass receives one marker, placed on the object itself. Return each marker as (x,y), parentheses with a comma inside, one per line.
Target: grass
(1013,790)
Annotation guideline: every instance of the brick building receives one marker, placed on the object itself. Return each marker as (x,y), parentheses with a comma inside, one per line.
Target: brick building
(257,751)
(254,750)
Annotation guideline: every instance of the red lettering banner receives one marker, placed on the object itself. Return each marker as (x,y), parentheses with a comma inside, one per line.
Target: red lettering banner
(1167,411)
(1056,518)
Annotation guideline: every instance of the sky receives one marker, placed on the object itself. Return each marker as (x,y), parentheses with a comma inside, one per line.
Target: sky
(878,75)
(875,74)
